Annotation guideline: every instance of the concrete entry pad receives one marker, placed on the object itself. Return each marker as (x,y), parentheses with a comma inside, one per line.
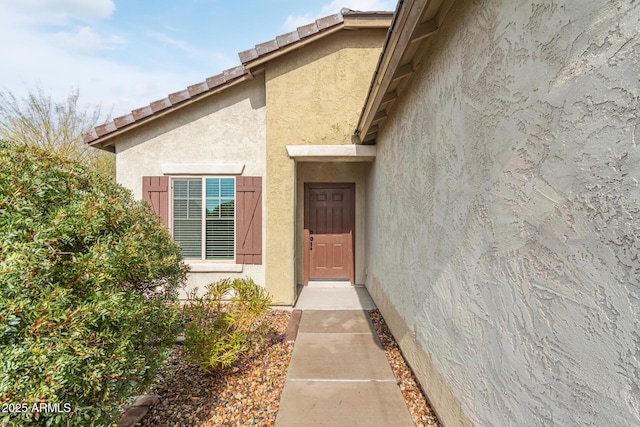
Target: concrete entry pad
(344,321)
(339,356)
(334,298)
(329,284)
(330,403)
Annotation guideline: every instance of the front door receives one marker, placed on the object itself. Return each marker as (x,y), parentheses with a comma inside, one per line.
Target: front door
(329,218)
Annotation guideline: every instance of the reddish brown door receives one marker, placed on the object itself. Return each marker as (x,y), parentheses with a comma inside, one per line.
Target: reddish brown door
(329,231)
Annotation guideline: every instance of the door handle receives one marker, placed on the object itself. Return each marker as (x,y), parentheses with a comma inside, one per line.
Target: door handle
(310,240)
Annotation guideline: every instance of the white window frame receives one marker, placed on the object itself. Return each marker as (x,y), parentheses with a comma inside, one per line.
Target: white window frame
(203,264)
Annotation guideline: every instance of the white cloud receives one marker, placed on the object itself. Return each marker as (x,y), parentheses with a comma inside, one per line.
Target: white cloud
(63,9)
(194,54)
(53,63)
(86,40)
(294,21)
(180,44)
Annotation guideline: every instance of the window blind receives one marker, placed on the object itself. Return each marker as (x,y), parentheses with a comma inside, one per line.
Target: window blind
(220,235)
(216,217)
(187,216)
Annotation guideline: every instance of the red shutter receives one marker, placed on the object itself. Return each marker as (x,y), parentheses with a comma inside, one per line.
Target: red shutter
(249,220)
(155,190)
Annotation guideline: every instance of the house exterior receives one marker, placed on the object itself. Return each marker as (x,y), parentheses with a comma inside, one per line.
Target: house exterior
(481,160)
(502,228)
(259,136)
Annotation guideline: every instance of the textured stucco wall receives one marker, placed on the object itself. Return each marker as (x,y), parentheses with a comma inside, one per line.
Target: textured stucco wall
(503,215)
(314,96)
(225,128)
(350,172)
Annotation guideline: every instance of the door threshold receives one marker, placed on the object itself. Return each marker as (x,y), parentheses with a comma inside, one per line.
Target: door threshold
(329,284)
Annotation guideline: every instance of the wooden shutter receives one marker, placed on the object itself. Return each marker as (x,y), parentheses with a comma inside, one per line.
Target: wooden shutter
(249,220)
(155,190)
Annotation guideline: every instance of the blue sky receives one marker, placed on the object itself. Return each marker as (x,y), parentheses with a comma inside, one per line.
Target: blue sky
(123,54)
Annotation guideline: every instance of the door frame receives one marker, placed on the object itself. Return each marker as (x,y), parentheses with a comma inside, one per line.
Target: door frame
(345,185)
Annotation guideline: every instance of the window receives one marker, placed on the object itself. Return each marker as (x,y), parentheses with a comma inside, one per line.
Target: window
(204,217)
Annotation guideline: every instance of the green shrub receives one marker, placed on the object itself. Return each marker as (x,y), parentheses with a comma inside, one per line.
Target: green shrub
(224,322)
(88,289)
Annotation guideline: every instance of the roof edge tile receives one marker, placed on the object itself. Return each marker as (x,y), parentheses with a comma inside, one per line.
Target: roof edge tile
(178,97)
(215,81)
(266,47)
(160,104)
(143,112)
(308,30)
(226,76)
(89,136)
(288,38)
(198,88)
(234,72)
(123,121)
(247,55)
(329,21)
(105,128)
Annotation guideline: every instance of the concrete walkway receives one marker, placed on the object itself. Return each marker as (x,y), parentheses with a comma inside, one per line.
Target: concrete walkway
(339,374)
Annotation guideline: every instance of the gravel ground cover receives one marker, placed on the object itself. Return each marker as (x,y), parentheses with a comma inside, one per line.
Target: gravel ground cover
(248,394)
(418,405)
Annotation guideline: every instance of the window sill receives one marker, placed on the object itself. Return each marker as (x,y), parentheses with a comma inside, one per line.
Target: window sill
(201,267)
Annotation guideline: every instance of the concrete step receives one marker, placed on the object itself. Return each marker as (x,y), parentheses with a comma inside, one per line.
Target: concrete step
(334,298)
(329,284)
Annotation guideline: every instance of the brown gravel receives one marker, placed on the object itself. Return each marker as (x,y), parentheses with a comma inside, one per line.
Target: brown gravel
(417,403)
(248,393)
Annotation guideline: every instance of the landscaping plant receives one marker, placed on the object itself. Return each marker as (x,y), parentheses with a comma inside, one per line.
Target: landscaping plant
(224,322)
(89,282)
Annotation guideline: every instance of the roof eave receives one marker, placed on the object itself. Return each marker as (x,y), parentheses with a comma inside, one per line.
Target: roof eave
(414,21)
(312,33)
(252,62)
(107,140)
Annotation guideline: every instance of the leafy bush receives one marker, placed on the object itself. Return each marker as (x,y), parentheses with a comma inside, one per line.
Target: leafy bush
(88,289)
(224,322)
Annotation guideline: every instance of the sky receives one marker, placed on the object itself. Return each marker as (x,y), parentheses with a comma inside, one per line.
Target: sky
(123,54)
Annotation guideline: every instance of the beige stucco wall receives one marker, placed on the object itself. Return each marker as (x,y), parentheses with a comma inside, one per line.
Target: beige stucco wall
(228,127)
(502,215)
(314,96)
(348,172)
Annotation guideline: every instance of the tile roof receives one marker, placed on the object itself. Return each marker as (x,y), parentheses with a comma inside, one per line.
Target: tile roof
(260,53)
